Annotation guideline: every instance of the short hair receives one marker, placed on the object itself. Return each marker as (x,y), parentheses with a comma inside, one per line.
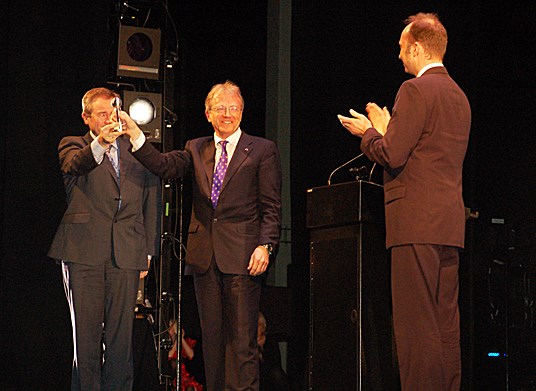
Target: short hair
(429,32)
(217,89)
(90,97)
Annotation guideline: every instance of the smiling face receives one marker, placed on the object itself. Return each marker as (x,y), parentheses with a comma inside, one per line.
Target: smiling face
(225,113)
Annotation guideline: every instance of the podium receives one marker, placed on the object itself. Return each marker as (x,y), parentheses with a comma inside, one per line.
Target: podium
(350,341)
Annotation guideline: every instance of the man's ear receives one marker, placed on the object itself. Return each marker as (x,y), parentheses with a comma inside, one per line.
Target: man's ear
(85,118)
(416,47)
(419,49)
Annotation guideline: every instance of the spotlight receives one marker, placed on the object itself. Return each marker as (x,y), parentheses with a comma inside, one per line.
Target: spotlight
(138,52)
(142,111)
(145,108)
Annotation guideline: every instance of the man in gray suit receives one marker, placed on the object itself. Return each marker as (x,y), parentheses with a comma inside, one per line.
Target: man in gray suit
(422,148)
(234,227)
(105,241)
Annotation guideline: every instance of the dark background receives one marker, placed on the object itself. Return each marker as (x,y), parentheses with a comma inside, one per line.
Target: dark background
(344,54)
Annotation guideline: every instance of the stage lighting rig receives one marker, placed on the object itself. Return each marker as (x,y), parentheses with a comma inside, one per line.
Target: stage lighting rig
(145,108)
(138,52)
(135,9)
(170,118)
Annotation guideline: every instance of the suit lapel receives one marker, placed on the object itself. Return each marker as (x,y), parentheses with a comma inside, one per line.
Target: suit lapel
(125,159)
(106,162)
(208,153)
(242,150)
(87,138)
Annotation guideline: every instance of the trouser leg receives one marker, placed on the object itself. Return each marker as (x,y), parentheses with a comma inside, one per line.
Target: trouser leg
(208,292)
(85,292)
(241,308)
(426,317)
(121,289)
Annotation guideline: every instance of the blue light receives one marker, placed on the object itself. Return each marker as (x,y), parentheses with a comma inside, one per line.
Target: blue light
(494,354)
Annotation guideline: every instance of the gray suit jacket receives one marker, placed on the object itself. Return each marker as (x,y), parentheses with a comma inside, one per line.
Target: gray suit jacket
(422,154)
(92,227)
(249,206)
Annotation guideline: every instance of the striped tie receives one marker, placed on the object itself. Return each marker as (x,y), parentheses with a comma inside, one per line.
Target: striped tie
(113,159)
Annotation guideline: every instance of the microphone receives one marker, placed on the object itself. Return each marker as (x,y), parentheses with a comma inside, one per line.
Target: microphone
(359,173)
(342,165)
(116,102)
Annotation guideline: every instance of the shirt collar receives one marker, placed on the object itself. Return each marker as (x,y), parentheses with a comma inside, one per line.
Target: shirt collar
(232,139)
(426,67)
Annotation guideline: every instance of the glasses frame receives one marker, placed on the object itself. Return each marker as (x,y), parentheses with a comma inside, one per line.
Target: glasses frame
(225,109)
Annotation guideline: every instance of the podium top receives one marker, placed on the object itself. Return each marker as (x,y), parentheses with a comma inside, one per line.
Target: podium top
(344,204)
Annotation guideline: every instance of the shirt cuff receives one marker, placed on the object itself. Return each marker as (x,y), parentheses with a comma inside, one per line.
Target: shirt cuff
(138,143)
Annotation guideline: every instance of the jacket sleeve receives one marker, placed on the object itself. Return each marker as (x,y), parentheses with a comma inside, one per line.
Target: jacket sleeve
(76,157)
(404,131)
(270,196)
(174,164)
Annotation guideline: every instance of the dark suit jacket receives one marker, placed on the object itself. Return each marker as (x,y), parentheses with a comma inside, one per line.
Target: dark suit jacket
(249,206)
(422,153)
(92,226)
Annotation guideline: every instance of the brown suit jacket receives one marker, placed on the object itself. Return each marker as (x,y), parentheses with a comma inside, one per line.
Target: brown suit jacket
(249,206)
(92,227)
(422,154)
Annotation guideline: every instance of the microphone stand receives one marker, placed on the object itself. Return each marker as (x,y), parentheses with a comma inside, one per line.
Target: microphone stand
(371,171)
(179,289)
(342,165)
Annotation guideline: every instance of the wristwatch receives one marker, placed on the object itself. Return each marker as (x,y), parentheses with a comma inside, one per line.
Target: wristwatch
(268,247)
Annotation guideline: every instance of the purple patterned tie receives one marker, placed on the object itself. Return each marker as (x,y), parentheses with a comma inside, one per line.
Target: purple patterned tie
(114,159)
(219,174)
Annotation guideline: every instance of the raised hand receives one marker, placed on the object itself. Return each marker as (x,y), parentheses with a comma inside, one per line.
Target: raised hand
(357,125)
(378,117)
(108,133)
(130,127)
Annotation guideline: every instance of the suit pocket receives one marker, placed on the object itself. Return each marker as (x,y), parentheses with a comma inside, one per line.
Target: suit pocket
(248,229)
(395,193)
(139,228)
(193,228)
(76,218)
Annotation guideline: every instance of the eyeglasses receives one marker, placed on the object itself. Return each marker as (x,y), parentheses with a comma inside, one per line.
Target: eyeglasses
(103,115)
(223,109)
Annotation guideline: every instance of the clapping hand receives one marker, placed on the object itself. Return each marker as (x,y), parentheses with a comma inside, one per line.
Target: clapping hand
(356,125)
(378,117)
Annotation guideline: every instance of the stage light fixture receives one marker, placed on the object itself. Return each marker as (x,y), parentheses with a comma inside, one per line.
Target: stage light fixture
(138,52)
(145,108)
(142,111)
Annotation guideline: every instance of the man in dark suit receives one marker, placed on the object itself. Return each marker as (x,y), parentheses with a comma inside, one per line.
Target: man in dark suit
(105,240)
(234,227)
(422,148)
